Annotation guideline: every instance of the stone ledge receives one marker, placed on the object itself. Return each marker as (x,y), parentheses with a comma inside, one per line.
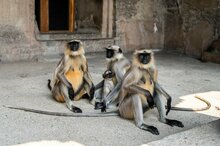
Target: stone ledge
(212,57)
(68,36)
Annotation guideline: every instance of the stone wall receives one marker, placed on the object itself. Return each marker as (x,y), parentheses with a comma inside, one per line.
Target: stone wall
(135,24)
(190,25)
(133,28)
(17,41)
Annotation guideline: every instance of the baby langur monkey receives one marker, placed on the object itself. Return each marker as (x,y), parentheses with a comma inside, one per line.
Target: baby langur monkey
(138,92)
(71,80)
(108,89)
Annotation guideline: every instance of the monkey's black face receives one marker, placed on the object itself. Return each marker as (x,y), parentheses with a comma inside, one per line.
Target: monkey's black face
(144,57)
(109,53)
(74,46)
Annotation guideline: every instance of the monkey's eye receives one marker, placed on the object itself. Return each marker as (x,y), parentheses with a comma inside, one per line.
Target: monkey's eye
(141,56)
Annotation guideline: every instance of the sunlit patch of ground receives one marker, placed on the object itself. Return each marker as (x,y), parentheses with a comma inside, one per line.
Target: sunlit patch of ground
(51,143)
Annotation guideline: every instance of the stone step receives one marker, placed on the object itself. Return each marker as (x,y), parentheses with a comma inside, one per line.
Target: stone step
(205,135)
(212,57)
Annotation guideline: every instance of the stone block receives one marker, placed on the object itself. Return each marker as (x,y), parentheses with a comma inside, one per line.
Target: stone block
(173,36)
(212,57)
(198,38)
(202,4)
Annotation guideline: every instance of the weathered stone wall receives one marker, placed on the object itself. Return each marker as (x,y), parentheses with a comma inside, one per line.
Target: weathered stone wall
(17,41)
(133,27)
(190,25)
(135,24)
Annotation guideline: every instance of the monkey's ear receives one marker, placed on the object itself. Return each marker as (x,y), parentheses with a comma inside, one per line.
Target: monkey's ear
(119,50)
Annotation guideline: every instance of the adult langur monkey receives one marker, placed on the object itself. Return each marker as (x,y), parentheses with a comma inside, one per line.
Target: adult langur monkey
(138,92)
(107,90)
(71,80)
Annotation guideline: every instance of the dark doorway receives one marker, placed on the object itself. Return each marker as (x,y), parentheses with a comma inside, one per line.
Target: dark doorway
(58,14)
(80,16)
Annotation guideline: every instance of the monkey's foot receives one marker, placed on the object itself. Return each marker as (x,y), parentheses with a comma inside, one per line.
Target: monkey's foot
(151,129)
(99,105)
(174,123)
(76,109)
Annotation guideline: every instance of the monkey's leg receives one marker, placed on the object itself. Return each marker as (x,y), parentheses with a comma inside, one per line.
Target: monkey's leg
(160,90)
(57,94)
(69,103)
(97,96)
(99,85)
(138,116)
(161,109)
(106,90)
(112,96)
(98,93)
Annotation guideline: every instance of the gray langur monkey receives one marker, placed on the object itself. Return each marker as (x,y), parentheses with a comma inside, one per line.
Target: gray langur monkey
(106,92)
(138,92)
(71,80)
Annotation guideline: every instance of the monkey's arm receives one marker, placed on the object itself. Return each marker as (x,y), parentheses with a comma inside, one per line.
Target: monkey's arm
(87,76)
(130,82)
(60,73)
(165,94)
(153,72)
(113,94)
(120,70)
(106,74)
(130,86)
(88,84)
(63,79)
(99,85)
(133,89)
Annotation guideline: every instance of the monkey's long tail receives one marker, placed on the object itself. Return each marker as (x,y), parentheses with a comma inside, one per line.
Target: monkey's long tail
(106,114)
(48,84)
(208,105)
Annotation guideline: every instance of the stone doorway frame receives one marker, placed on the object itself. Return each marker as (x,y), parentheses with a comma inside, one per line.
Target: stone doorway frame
(106,27)
(107,18)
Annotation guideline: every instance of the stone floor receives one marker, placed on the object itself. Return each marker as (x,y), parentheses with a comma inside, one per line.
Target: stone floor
(25,84)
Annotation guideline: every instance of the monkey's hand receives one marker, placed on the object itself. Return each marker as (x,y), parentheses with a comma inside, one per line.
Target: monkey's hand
(100,105)
(108,74)
(71,93)
(150,100)
(103,109)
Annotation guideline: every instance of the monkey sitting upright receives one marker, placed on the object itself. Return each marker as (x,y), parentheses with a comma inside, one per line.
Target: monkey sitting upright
(71,79)
(107,90)
(138,92)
